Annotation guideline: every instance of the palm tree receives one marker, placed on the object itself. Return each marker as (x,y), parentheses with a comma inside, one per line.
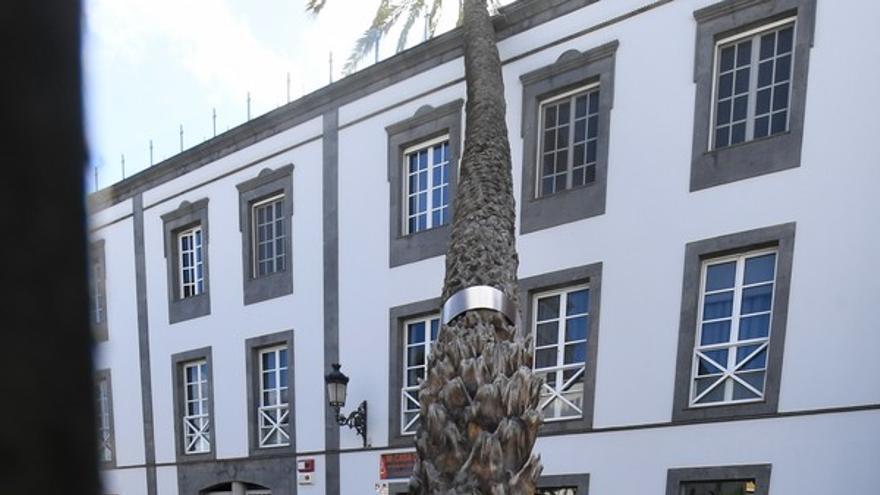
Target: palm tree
(479,400)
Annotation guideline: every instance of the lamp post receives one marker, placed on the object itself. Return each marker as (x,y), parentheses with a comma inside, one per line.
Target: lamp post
(337,389)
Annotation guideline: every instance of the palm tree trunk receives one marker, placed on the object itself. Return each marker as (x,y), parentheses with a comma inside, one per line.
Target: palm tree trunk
(479,416)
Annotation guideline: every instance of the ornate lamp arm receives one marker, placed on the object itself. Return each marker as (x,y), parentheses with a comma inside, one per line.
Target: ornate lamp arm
(357,420)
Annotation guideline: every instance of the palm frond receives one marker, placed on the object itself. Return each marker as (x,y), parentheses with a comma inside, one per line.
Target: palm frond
(434,17)
(315,6)
(415,8)
(367,42)
(386,16)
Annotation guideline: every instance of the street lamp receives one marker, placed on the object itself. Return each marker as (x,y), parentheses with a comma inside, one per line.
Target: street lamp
(337,388)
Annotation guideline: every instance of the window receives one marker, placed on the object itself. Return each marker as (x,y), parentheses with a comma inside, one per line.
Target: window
(196,420)
(265,220)
(569,139)
(186,253)
(423,153)
(734,311)
(427,185)
(751,75)
(268,221)
(104,411)
(193,404)
(192,279)
(560,331)
(753,84)
(413,329)
(421,333)
(723,480)
(563,484)
(563,316)
(98,291)
(565,123)
(730,355)
(274,408)
(270,394)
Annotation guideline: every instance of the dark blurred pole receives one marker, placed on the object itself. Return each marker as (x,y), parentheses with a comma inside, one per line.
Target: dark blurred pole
(47,439)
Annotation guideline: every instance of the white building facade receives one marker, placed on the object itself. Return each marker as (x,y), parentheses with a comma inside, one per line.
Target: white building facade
(696,228)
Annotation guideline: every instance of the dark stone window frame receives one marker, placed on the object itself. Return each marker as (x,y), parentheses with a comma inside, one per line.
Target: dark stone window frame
(427,123)
(267,184)
(97,256)
(178,361)
(780,236)
(759,472)
(397,317)
(591,275)
(571,70)
(581,482)
(253,347)
(104,375)
(186,216)
(763,155)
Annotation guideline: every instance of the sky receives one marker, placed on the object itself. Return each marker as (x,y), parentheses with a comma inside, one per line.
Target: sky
(152,66)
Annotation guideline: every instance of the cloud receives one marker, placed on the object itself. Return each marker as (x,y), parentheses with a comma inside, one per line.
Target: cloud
(216,46)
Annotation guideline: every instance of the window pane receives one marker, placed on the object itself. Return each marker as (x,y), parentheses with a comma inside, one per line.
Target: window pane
(785,39)
(545,358)
(577,302)
(725,86)
(706,367)
(415,356)
(594,102)
(547,333)
(719,356)
(723,112)
(416,332)
(760,269)
(779,123)
(435,326)
(748,361)
(756,299)
(727,55)
(738,133)
(718,305)
(720,276)
(743,53)
(715,332)
(576,328)
(768,45)
(754,327)
(548,308)
(576,353)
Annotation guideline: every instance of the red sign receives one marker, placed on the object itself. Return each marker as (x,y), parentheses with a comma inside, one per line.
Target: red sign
(399,465)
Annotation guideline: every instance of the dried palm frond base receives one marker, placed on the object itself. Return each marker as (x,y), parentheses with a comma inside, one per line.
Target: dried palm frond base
(479,416)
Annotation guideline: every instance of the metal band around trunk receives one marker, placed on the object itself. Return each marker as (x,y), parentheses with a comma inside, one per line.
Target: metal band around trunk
(478,297)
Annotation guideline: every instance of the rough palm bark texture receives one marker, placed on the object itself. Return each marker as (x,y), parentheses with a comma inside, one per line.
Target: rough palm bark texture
(479,416)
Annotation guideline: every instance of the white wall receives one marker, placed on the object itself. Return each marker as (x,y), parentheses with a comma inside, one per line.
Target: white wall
(230,322)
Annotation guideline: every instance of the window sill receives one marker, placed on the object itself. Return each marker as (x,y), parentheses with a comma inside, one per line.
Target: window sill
(419,246)
(570,205)
(746,160)
(189,308)
(268,287)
